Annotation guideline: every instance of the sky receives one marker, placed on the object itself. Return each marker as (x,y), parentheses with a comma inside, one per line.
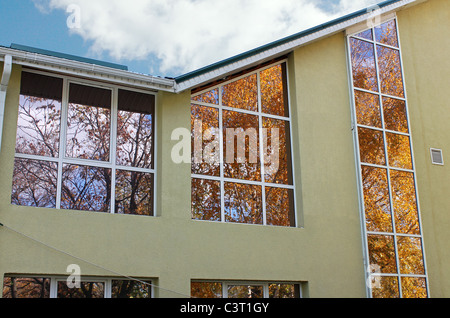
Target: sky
(164,38)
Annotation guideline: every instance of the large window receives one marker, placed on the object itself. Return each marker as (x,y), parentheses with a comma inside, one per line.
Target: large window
(53,287)
(84,147)
(241,150)
(218,289)
(393,235)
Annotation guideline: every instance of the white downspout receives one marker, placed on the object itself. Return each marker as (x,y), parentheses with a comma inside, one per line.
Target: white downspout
(7,68)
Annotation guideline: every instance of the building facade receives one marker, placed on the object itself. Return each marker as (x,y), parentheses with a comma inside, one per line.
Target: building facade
(309,167)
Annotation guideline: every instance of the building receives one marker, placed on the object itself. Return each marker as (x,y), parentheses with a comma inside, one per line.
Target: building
(351,201)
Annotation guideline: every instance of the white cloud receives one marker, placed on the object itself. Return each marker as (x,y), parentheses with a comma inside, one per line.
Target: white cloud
(187,34)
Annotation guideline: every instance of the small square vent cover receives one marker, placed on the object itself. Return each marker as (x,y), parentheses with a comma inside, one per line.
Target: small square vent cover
(436,156)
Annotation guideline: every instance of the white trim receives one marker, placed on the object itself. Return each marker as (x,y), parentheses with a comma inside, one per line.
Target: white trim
(6,75)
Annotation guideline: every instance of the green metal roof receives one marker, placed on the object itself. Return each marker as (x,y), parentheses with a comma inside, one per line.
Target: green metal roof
(67,56)
(282,41)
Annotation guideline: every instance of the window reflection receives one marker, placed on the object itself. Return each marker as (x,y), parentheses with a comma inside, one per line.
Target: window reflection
(86,188)
(399,151)
(241,144)
(33,287)
(133,193)
(130,289)
(414,287)
(390,71)
(371,146)
(273,91)
(395,114)
(386,33)
(205,140)
(410,255)
(34,183)
(205,195)
(206,290)
(241,94)
(211,97)
(243,203)
(363,65)
(368,109)
(385,287)
(280,207)
(404,202)
(245,291)
(135,141)
(382,253)
(89,122)
(86,290)
(376,199)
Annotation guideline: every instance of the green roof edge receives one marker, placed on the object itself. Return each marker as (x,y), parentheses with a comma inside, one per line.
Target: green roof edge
(187,76)
(67,56)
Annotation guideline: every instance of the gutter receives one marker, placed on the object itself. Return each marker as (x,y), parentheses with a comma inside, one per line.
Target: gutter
(92,71)
(7,69)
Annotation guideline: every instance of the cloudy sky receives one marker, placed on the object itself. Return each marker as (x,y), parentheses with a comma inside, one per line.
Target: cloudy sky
(162,37)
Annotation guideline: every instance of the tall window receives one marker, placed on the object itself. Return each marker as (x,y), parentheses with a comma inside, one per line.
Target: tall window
(393,234)
(84,147)
(241,150)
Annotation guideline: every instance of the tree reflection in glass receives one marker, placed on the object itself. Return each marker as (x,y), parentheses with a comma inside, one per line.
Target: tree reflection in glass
(382,253)
(242,93)
(245,291)
(280,207)
(385,287)
(371,146)
(368,111)
(363,65)
(395,116)
(133,193)
(88,123)
(414,287)
(243,203)
(390,71)
(205,196)
(399,151)
(273,91)
(34,183)
(86,290)
(386,33)
(86,188)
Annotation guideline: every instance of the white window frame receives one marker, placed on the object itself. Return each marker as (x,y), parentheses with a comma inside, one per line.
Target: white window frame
(111,164)
(351,33)
(263,184)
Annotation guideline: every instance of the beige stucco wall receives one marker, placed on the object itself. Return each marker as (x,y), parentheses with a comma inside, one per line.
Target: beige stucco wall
(425,33)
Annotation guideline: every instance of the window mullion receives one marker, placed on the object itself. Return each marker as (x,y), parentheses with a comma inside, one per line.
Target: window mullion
(62,140)
(113,143)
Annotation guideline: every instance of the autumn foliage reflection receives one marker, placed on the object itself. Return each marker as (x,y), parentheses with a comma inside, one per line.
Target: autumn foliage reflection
(387,175)
(248,118)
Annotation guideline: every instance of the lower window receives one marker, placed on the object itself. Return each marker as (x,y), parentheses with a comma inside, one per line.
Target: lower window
(214,289)
(46,287)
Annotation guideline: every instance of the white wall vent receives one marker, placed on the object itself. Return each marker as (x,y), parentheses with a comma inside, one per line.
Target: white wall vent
(436,156)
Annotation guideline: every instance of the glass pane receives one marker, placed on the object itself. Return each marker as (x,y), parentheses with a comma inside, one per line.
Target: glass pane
(368,109)
(367,34)
(34,183)
(274,91)
(382,253)
(86,290)
(38,126)
(206,290)
(395,117)
(205,143)
(243,203)
(390,70)
(245,291)
(280,207)
(371,146)
(399,151)
(26,287)
(241,144)
(410,255)
(387,33)
(134,193)
(404,202)
(211,97)
(86,188)
(284,291)
(89,121)
(277,155)
(376,199)
(363,65)
(241,94)
(385,287)
(414,287)
(131,289)
(135,142)
(205,196)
